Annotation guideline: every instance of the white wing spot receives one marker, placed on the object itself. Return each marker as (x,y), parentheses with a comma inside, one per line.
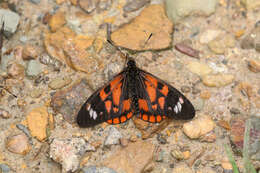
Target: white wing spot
(88,107)
(176,109)
(179,106)
(94,115)
(181,100)
(91,113)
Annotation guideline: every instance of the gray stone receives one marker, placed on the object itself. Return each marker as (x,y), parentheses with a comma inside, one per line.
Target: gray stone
(113,136)
(4,168)
(35,1)
(94,169)
(133,5)
(34,68)
(10,20)
(178,9)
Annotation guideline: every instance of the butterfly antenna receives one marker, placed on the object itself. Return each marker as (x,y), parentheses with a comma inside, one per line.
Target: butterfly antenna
(8,91)
(109,40)
(148,38)
(1,38)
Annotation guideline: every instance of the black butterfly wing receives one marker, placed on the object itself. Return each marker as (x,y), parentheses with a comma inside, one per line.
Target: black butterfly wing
(160,100)
(110,103)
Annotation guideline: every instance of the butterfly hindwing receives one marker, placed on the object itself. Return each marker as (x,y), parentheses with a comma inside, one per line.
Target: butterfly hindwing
(162,100)
(110,104)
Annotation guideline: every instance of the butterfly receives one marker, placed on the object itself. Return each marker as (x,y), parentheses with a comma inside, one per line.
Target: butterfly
(134,92)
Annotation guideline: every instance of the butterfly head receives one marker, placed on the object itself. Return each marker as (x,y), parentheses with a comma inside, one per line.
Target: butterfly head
(131,62)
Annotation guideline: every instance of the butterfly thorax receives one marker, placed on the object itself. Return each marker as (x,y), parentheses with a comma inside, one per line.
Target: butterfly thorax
(132,73)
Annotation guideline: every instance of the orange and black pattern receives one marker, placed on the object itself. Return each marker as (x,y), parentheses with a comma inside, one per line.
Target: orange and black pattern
(134,92)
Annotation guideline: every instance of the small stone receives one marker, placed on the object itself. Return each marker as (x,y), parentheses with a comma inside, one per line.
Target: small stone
(35,1)
(94,169)
(140,124)
(34,68)
(225,164)
(15,70)
(60,1)
(247,42)
(220,44)
(161,138)
(24,129)
(37,121)
(104,4)
(67,152)
(218,80)
(4,114)
(74,2)
(133,5)
(251,4)
(159,155)
(234,111)
(131,159)
(210,137)
(113,136)
(30,52)
(10,20)
(60,82)
(18,144)
(177,154)
(185,89)
(132,35)
(205,95)
(4,168)
(49,61)
(88,5)
(182,169)
(123,142)
(178,9)
(186,155)
(254,66)
(237,132)
(21,102)
(57,21)
(68,101)
(199,68)
(224,124)
(187,50)
(209,35)
(198,127)
(199,104)
(36,93)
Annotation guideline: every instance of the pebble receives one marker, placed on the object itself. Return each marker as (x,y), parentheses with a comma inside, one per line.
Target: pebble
(47,60)
(187,50)
(88,5)
(4,168)
(57,21)
(67,151)
(94,169)
(60,82)
(35,1)
(182,168)
(5,114)
(131,159)
(18,144)
(159,156)
(30,52)
(251,4)
(113,137)
(234,111)
(254,66)
(133,5)
(237,132)
(209,35)
(104,5)
(25,130)
(225,164)
(132,35)
(198,68)
(69,100)
(124,142)
(178,9)
(36,93)
(161,138)
(217,80)
(34,68)
(199,104)
(177,154)
(220,44)
(210,137)
(247,42)
(198,127)
(15,70)
(37,120)
(185,89)
(224,124)
(205,95)
(11,21)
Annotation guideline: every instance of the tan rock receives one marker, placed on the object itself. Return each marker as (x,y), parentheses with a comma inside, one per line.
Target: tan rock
(198,68)
(198,127)
(218,80)
(18,144)
(67,47)
(182,169)
(254,66)
(60,1)
(57,21)
(132,158)
(37,121)
(205,95)
(152,20)
(59,83)
(221,43)
(30,52)
(15,70)
(74,2)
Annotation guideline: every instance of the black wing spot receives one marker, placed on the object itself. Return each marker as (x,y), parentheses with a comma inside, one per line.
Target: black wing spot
(160,85)
(107,89)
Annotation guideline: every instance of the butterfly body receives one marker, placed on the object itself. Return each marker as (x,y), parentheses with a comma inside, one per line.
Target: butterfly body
(134,92)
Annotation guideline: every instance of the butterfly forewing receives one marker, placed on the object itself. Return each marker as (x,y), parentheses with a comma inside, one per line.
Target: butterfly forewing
(110,103)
